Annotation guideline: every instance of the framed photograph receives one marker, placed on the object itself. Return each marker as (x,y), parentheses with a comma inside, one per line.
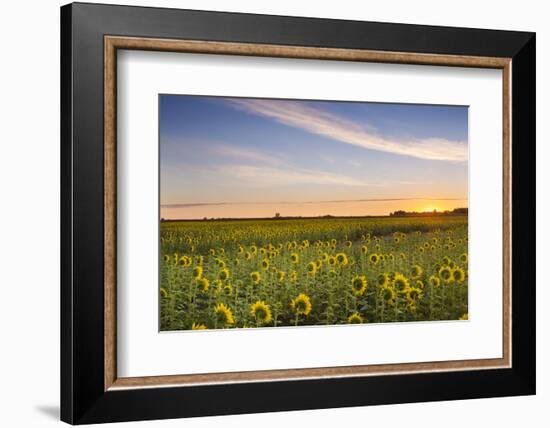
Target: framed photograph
(267,213)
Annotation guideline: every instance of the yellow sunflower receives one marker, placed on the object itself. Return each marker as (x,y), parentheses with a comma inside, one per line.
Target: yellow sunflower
(196,326)
(446,274)
(203,284)
(301,304)
(261,312)
(388,294)
(312,268)
(400,283)
(413,295)
(416,272)
(355,318)
(342,259)
(434,281)
(197,272)
(294,258)
(459,275)
(383,279)
(223,314)
(256,277)
(359,284)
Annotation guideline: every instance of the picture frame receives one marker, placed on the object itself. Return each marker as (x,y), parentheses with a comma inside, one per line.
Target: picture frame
(91,390)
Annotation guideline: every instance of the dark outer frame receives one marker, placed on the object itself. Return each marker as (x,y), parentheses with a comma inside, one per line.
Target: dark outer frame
(83,397)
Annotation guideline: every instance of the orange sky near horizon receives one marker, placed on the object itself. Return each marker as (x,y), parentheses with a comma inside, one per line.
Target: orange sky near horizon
(310,209)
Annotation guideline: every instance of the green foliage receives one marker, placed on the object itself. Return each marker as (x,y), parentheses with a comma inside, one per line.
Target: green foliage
(238,263)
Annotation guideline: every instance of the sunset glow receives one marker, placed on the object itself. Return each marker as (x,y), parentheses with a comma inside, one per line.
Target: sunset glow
(248,158)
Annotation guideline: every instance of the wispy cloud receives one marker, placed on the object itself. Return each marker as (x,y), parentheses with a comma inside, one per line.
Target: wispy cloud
(338,201)
(327,124)
(244,154)
(273,176)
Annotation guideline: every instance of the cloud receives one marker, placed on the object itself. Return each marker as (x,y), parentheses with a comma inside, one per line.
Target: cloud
(272,176)
(338,128)
(338,201)
(244,154)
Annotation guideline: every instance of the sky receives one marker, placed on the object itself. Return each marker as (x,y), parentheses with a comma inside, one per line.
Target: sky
(253,157)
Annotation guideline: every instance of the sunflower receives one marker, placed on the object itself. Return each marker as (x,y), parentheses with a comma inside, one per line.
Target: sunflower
(185,261)
(280,276)
(256,277)
(332,260)
(464,317)
(434,281)
(265,264)
(400,283)
(261,312)
(364,249)
(236,262)
(383,279)
(463,258)
(203,285)
(228,290)
(459,275)
(199,260)
(355,318)
(294,258)
(163,293)
(446,260)
(312,268)
(253,249)
(212,252)
(221,263)
(374,258)
(348,244)
(197,272)
(223,314)
(247,256)
(446,274)
(414,294)
(223,274)
(301,304)
(166,258)
(419,284)
(241,249)
(293,276)
(416,272)
(359,285)
(396,240)
(388,294)
(342,259)
(196,326)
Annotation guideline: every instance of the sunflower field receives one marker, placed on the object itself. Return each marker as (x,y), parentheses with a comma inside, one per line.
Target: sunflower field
(325,271)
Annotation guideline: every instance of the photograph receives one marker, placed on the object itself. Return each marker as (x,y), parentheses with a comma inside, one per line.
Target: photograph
(287,212)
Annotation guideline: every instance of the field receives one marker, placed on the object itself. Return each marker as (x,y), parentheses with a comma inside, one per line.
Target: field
(323,271)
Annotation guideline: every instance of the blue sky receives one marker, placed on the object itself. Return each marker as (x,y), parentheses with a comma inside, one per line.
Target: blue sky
(245,157)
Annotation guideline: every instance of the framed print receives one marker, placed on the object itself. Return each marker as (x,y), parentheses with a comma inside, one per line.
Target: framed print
(265,213)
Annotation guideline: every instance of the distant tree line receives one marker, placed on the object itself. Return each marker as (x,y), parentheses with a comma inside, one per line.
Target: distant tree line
(456,211)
